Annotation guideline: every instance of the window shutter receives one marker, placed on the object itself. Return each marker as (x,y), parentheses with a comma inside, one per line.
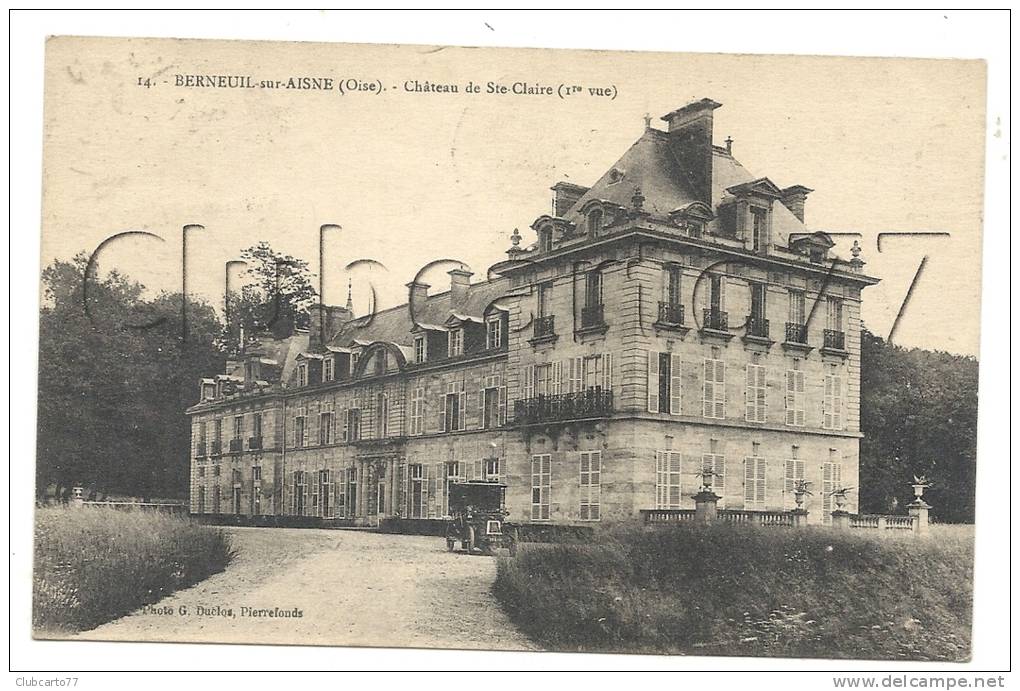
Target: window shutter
(502,405)
(481,402)
(837,402)
(462,407)
(722,293)
(574,370)
(557,377)
(442,413)
(791,397)
(675,383)
(759,480)
(440,488)
(709,389)
(653,381)
(749,476)
(607,371)
(660,480)
(528,389)
(720,389)
(827,404)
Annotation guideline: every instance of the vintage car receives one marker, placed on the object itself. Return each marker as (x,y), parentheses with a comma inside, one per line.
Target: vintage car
(478,518)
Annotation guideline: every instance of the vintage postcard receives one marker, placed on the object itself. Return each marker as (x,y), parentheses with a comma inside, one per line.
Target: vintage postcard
(508,349)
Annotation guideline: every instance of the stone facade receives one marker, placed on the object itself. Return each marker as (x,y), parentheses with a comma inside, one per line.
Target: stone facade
(661,324)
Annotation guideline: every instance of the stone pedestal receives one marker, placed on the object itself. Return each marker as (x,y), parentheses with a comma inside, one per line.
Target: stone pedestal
(799,517)
(841,519)
(918,510)
(705,506)
(77,497)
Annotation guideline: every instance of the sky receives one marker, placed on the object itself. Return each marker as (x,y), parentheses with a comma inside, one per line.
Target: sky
(887,145)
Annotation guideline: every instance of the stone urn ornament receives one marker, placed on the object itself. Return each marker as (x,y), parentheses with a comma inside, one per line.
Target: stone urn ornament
(801,489)
(839,495)
(920,484)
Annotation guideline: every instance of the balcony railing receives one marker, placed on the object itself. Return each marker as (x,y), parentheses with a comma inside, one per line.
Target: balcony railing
(254,442)
(567,406)
(200,450)
(757,327)
(796,333)
(592,316)
(671,313)
(715,320)
(235,445)
(216,448)
(545,326)
(836,340)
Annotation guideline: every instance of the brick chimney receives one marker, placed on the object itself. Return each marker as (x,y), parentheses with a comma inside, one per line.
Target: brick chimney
(690,140)
(565,195)
(793,199)
(460,279)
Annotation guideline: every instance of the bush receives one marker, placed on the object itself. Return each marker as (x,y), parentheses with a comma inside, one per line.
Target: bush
(727,590)
(96,564)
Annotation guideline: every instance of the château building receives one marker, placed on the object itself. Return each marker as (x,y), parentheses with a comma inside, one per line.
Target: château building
(675,316)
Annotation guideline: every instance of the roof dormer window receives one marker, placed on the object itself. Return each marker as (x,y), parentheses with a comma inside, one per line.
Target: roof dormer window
(420,349)
(594,221)
(456,343)
(302,375)
(545,239)
(759,229)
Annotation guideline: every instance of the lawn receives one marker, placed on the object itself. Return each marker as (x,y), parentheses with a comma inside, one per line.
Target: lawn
(729,590)
(93,565)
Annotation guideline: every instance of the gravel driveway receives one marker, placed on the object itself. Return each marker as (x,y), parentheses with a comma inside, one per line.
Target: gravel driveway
(352,588)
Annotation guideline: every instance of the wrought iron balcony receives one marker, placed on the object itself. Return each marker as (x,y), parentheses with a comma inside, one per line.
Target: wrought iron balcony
(796,333)
(236,445)
(757,327)
(836,340)
(671,313)
(568,406)
(592,316)
(216,448)
(545,326)
(254,442)
(715,320)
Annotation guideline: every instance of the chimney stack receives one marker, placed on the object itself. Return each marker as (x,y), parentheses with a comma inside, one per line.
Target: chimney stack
(565,195)
(324,321)
(460,279)
(417,292)
(793,198)
(690,139)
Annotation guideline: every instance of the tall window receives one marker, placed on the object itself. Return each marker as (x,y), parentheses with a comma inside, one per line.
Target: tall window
(355,356)
(832,402)
(352,492)
(755,393)
(452,472)
(325,493)
(325,428)
(493,398)
(491,470)
(352,427)
(595,217)
(759,229)
(834,314)
(420,348)
(418,491)
(714,400)
(544,299)
(455,342)
(216,499)
(545,383)
(494,333)
(758,294)
(797,312)
(201,500)
(589,372)
(541,483)
(795,395)
(832,479)
(668,470)
(382,415)
(256,490)
(256,426)
(202,434)
(217,434)
(715,463)
(591,485)
(664,382)
(299,430)
(300,492)
(238,427)
(327,368)
(453,407)
(754,482)
(793,474)
(418,410)
(671,284)
(302,375)
(593,288)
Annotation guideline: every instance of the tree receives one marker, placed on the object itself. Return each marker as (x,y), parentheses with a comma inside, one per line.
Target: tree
(115,375)
(276,297)
(918,416)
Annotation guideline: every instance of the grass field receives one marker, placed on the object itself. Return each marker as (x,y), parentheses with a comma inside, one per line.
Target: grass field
(96,564)
(726,590)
